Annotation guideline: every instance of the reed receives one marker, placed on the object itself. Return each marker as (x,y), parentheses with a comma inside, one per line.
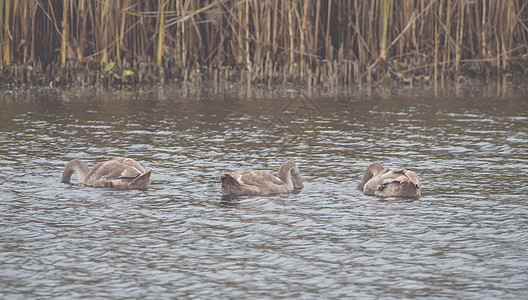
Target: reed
(2,32)
(64,37)
(385,7)
(117,34)
(323,42)
(105,22)
(7,34)
(161,30)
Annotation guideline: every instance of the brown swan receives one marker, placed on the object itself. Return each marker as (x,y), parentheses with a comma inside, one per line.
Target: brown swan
(243,183)
(390,182)
(120,173)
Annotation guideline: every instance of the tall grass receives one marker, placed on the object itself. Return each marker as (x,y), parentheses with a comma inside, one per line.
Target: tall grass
(6,8)
(318,42)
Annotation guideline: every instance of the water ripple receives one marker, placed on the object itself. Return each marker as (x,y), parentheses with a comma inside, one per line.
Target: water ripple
(465,238)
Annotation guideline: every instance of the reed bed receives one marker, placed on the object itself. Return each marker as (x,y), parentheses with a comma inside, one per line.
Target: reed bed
(327,43)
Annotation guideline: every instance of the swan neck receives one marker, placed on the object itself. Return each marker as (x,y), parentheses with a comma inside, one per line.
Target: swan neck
(78,167)
(289,171)
(373,169)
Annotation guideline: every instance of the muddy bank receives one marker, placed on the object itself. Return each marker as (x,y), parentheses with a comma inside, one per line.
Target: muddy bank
(202,89)
(319,75)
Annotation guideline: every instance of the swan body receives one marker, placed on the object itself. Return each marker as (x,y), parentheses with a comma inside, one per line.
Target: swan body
(244,183)
(120,173)
(390,182)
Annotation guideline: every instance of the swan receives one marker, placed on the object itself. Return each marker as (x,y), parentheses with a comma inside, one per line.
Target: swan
(120,173)
(244,183)
(390,182)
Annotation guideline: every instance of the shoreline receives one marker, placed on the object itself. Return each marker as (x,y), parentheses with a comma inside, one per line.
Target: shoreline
(204,88)
(300,44)
(326,76)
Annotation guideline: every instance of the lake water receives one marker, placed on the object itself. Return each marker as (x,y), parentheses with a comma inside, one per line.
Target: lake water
(467,237)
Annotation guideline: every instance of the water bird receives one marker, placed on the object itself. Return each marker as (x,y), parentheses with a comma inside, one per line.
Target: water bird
(390,182)
(120,173)
(244,183)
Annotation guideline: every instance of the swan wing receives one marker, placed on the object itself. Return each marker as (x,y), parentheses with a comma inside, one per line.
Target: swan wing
(392,175)
(130,163)
(115,169)
(417,181)
(256,178)
(400,175)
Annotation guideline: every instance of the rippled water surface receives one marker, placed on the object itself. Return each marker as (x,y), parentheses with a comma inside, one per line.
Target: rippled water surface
(467,237)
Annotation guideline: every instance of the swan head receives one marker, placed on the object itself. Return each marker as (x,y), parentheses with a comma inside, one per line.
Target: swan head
(139,183)
(296,178)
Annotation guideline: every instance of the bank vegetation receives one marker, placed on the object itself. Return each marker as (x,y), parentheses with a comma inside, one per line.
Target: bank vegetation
(328,43)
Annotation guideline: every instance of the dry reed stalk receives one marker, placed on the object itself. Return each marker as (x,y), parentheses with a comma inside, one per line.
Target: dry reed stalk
(161,30)
(270,38)
(267,34)
(436,37)
(64,37)
(25,26)
(510,20)
(275,26)
(117,33)
(447,33)
(105,17)
(302,30)
(238,51)
(385,8)
(246,25)
(257,49)
(183,44)
(328,45)
(483,30)
(358,40)
(81,29)
(291,38)
(2,31)
(316,26)
(7,34)
(459,34)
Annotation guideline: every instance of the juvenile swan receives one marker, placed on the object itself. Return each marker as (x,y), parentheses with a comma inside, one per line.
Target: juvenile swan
(243,183)
(120,173)
(390,182)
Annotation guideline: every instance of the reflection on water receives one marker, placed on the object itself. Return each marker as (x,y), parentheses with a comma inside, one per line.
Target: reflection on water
(465,237)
